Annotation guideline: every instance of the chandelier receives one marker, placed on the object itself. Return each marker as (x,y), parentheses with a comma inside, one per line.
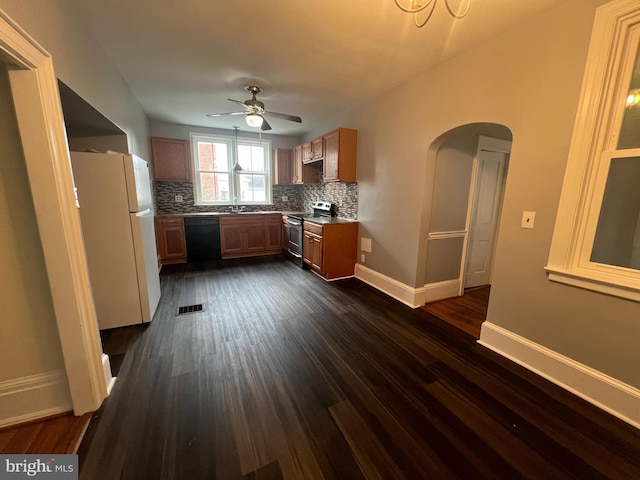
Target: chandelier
(418,6)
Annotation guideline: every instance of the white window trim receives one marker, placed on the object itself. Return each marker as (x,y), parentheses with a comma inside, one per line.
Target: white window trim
(614,39)
(234,178)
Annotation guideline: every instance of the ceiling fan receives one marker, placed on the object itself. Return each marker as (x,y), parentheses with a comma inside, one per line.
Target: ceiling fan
(254,110)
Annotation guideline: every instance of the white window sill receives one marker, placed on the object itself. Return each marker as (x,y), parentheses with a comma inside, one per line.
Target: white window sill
(615,285)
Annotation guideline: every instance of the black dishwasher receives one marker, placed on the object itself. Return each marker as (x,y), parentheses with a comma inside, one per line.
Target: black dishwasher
(203,238)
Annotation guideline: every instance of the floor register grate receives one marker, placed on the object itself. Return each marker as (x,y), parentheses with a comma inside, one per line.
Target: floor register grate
(189,309)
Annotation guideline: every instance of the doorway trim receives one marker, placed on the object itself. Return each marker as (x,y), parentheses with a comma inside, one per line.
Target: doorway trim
(488,144)
(39,117)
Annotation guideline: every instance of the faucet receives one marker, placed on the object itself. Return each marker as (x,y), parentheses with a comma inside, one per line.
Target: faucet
(235,207)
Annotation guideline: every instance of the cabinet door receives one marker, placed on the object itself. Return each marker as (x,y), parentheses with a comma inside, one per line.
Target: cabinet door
(254,237)
(317,149)
(170,159)
(172,244)
(307,152)
(297,165)
(273,230)
(282,166)
(340,152)
(316,252)
(331,152)
(231,239)
(306,247)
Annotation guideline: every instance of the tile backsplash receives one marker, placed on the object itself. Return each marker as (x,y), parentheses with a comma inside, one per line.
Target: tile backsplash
(300,198)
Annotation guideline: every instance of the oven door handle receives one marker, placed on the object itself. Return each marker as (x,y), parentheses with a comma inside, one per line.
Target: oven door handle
(294,222)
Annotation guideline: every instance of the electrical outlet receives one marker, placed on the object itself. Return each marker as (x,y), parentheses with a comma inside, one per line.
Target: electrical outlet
(362,258)
(285,198)
(178,198)
(528,219)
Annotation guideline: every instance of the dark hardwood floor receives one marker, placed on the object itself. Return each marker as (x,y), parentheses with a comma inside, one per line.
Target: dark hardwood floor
(283,375)
(466,312)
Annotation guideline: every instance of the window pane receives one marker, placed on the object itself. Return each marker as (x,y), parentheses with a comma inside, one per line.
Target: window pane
(214,187)
(251,158)
(617,240)
(252,188)
(212,156)
(630,131)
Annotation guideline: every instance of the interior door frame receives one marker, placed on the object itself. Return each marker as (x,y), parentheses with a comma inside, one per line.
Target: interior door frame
(39,116)
(488,144)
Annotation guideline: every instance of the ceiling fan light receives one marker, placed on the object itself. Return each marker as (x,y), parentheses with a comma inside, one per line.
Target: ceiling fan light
(254,120)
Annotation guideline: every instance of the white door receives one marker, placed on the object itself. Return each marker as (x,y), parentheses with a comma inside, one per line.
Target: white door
(491,164)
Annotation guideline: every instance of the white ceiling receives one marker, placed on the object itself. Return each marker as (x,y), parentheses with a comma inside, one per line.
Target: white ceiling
(184,58)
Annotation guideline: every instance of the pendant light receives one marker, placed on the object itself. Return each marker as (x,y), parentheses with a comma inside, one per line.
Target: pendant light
(236,166)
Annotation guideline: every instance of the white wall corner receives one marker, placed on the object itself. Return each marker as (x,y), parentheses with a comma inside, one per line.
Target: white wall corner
(413,297)
(33,397)
(605,392)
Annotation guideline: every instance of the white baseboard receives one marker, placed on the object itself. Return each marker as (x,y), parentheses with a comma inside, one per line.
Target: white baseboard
(33,397)
(106,368)
(607,393)
(413,297)
(441,290)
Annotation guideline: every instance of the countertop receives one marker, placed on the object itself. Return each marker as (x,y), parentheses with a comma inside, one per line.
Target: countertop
(221,214)
(316,220)
(329,220)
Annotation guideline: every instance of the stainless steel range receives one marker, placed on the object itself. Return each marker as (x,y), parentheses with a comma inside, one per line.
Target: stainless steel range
(295,229)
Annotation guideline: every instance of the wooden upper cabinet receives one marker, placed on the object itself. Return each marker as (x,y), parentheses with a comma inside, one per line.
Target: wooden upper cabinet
(307,153)
(340,151)
(171,160)
(282,166)
(317,149)
(296,165)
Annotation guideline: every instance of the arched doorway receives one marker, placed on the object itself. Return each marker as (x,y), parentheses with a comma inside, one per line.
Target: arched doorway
(469,165)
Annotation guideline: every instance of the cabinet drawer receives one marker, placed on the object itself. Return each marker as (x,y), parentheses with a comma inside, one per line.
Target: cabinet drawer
(171,222)
(313,228)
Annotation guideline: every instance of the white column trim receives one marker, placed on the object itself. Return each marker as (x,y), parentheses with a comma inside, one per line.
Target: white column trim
(39,115)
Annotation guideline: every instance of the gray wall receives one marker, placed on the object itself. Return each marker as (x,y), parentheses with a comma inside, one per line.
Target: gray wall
(527,79)
(29,342)
(82,64)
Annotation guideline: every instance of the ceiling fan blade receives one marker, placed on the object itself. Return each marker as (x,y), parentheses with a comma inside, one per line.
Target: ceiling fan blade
(284,116)
(265,125)
(222,114)
(237,101)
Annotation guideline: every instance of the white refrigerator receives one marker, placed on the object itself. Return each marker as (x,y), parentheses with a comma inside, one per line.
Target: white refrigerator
(116,211)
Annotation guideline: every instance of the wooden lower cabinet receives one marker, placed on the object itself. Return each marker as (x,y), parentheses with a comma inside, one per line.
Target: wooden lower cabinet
(312,250)
(246,235)
(331,249)
(170,240)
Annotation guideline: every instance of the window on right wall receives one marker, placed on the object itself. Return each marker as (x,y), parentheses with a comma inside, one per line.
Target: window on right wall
(596,240)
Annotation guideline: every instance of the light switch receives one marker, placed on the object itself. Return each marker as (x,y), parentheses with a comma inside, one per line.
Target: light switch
(528,219)
(365,244)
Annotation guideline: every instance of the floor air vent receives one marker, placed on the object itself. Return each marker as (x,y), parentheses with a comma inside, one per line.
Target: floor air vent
(189,309)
